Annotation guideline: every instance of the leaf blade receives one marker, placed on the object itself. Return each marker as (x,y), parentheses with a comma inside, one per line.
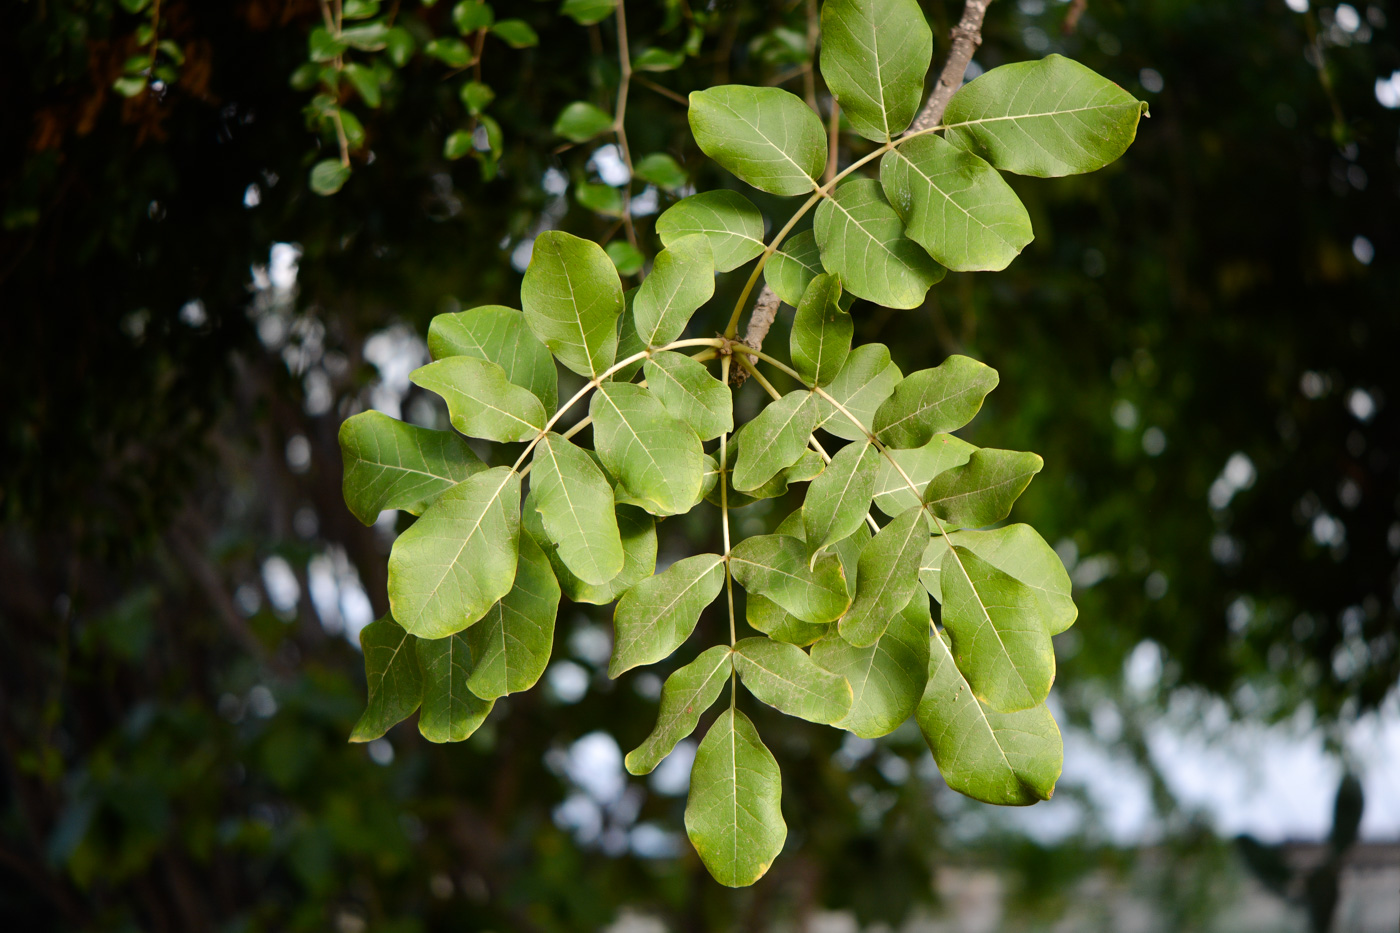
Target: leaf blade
(777,566)
(501,336)
(764,135)
(784,677)
(874,56)
(394,677)
(688,391)
(657,615)
(451,712)
(682,279)
(887,579)
(887,678)
(821,332)
(862,240)
(774,440)
(982,491)
(687,693)
(657,458)
(727,219)
(390,464)
(481,401)
(512,642)
(572,297)
(575,503)
(934,401)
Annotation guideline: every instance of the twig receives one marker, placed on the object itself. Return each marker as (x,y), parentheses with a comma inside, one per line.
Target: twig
(155,38)
(661,89)
(1072,15)
(814,31)
(966,36)
(834,141)
(624,60)
(765,311)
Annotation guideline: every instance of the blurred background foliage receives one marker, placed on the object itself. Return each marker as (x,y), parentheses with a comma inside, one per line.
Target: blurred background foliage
(1201,342)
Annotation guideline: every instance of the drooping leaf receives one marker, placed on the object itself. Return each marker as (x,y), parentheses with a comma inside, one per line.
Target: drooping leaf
(511,644)
(766,136)
(515,33)
(874,56)
(393,465)
(476,96)
(572,297)
(657,615)
(588,12)
(821,332)
(727,219)
(656,457)
(629,261)
(862,386)
(887,678)
(451,712)
(893,493)
(327,176)
(638,530)
(1011,759)
(599,198)
(501,336)
(888,578)
(575,504)
(681,280)
(808,467)
(734,815)
(778,567)
(838,499)
(774,440)
(1018,551)
(1047,118)
(581,121)
(471,15)
(661,170)
(452,565)
(780,625)
(789,271)
(1000,642)
(687,693)
(395,679)
(784,677)
(862,240)
(955,205)
(689,392)
(934,401)
(481,401)
(982,491)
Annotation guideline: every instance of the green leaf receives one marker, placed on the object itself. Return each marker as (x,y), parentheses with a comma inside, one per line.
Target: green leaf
(656,616)
(1011,759)
(368,37)
(887,678)
(393,465)
(681,280)
(955,205)
(734,815)
(780,625)
(328,176)
(458,145)
(451,52)
(476,96)
(512,642)
(354,129)
(601,199)
(572,297)
(821,332)
(656,457)
(501,336)
(784,677)
(728,220)
(629,261)
(838,499)
(638,530)
(471,15)
(481,401)
(875,54)
(1047,118)
(777,567)
(1000,642)
(764,135)
(1016,550)
(323,46)
(515,33)
(575,503)
(660,170)
(448,569)
(808,466)
(365,81)
(934,401)
(774,440)
(867,379)
(689,392)
(399,44)
(982,491)
(629,342)
(688,692)
(451,712)
(790,270)
(655,59)
(581,121)
(395,680)
(862,240)
(359,9)
(919,464)
(588,12)
(887,579)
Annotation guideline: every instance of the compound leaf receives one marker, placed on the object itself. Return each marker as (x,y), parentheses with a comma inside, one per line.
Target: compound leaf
(734,815)
(394,677)
(1047,118)
(656,457)
(862,240)
(452,564)
(766,136)
(982,490)
(689,392)
(572,297)
(887,678)
(821,332)
(451,712)
(575,504)
(512,642)
(657,615)
(687,693)
(874,57)
(481,401)
(934,401)
(501,336)
(390,464)
(887,579)
(727,219)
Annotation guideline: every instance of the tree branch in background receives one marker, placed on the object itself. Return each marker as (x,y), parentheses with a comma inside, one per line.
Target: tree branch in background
(1072,16)
(966,36)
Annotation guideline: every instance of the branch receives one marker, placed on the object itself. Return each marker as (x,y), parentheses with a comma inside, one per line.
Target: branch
(966,36)
(765,311)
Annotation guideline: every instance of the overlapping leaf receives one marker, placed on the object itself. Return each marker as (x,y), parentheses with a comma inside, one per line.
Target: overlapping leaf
(656,457)
(888,577)
(904,474)
(393,465)
(575,504)
(982,490)
(766,136)
(654,617)
(395,679)
(451,712)
(734,815)
(682,279)
(501,336)
(572,297)
(862,240)
(638,531)
(874,57)
(1018,551)
(511,644)
(887,678)
(792,268)
(774,440)
(481,401)
(689,391)
(778,567)
(934,401)
(821,332)
(687,693)
(839,498)
(863,385)
(733,226)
